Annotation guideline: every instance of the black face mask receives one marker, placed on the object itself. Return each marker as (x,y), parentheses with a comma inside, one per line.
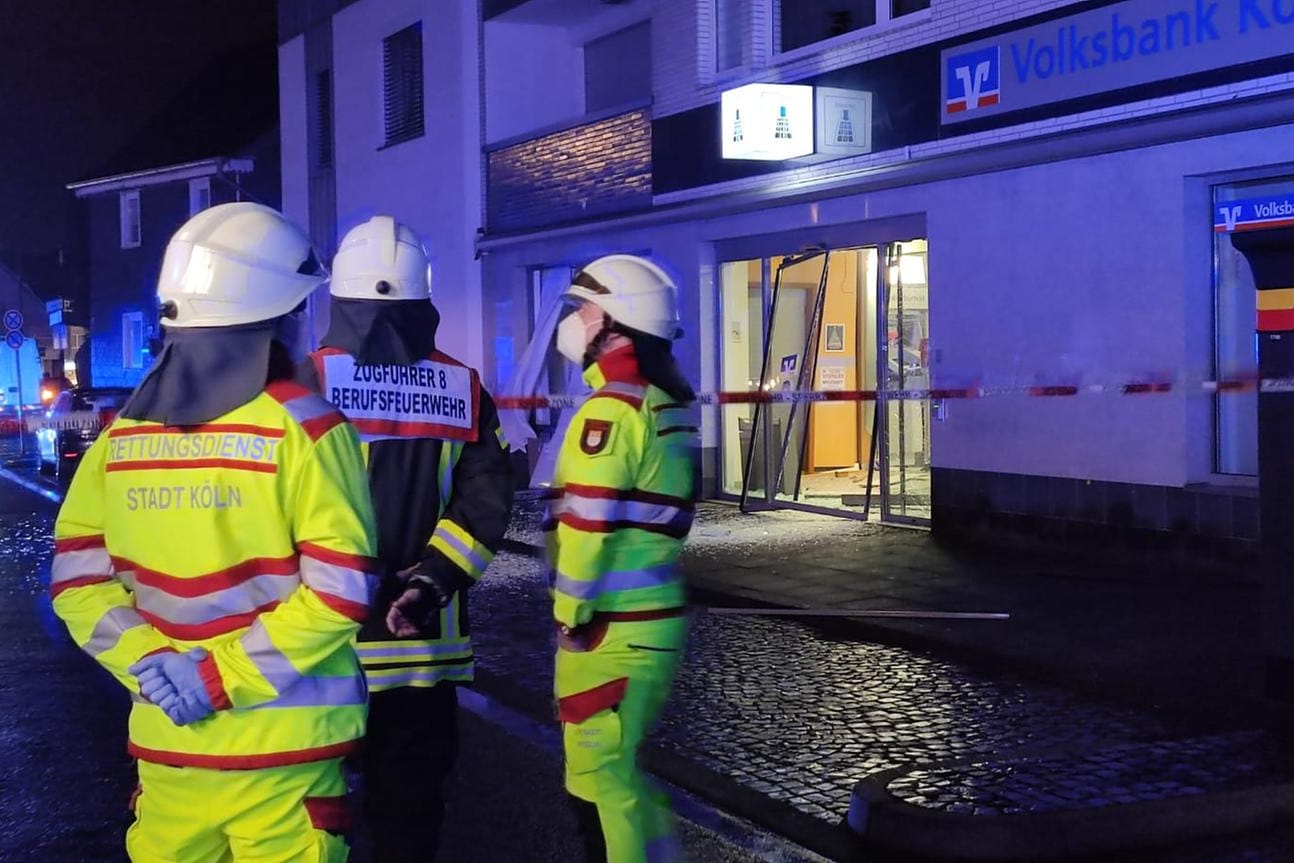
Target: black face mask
(383,332)
(204,373)
(656,363)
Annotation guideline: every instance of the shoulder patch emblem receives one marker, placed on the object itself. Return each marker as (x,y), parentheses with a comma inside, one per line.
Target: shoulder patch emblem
(594,437)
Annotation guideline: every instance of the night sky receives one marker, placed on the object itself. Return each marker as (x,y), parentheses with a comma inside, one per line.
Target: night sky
(80,78)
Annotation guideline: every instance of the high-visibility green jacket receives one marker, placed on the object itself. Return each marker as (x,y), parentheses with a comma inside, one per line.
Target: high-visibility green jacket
(250,536)
(623,499)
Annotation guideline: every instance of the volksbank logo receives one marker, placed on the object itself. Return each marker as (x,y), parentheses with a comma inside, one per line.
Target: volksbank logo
(973,80)
(1255,214)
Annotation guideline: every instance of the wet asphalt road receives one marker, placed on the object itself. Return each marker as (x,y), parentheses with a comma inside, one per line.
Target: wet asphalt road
(66,778)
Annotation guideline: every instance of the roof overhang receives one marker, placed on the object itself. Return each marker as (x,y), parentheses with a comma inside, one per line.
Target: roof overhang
(160,176)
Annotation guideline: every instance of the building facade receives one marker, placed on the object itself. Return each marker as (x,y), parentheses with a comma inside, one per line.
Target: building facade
(1031,199)
(131,218)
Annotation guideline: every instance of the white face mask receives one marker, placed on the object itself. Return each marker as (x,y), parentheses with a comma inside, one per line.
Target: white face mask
(571,341)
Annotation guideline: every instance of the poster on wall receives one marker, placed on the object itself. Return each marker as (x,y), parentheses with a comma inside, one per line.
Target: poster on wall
(836,338)
(831,378)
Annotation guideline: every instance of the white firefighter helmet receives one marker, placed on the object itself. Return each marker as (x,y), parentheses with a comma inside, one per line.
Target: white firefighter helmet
(381,259)
(633,291)
(236,264)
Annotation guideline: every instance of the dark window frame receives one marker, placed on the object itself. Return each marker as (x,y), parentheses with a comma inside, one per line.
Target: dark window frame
(403,111)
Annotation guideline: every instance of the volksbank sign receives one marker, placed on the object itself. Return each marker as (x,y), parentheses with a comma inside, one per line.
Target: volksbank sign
(1122,45)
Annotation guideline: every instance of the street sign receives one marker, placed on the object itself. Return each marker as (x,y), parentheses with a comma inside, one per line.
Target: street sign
(14,339)
(13,319)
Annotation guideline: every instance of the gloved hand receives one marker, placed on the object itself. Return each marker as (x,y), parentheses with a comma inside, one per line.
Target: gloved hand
(171,681)
(429,586)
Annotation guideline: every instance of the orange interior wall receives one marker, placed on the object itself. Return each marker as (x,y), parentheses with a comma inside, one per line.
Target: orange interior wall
(835,429)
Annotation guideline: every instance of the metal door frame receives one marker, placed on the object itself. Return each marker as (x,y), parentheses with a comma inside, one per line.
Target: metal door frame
(768,500)
(882,379)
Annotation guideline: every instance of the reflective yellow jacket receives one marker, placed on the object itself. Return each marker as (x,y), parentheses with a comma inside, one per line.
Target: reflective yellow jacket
(251,536)
(624,498)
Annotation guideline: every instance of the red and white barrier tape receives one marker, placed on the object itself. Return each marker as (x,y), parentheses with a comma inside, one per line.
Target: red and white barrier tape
(92,420)
(737,397)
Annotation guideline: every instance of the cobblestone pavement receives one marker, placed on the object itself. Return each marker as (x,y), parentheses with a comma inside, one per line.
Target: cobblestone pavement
(802,718)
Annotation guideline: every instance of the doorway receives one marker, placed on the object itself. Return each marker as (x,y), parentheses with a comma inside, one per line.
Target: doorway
(838,320)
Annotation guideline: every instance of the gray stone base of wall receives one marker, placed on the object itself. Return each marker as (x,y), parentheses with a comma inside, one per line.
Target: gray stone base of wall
(1192,525)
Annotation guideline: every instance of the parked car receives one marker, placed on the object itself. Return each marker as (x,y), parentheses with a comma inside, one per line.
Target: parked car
(73,422)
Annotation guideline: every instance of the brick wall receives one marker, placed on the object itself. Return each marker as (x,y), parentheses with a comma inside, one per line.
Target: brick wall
(590,170)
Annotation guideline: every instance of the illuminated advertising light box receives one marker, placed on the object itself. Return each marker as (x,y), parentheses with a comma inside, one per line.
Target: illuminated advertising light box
(768,122)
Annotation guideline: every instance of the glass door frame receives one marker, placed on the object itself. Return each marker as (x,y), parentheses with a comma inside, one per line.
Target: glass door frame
(879,235)
(774,469)
(887,260)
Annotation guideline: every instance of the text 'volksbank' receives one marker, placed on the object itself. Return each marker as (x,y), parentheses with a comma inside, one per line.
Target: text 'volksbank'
(1080,47)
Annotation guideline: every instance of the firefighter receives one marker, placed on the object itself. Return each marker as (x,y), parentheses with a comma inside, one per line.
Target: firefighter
(442,486)
(215,555)
(623,508)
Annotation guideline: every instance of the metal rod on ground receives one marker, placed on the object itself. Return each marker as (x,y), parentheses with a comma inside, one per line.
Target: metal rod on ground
(859,612)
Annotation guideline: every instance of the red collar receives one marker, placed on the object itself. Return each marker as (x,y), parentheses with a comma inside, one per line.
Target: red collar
(620,366)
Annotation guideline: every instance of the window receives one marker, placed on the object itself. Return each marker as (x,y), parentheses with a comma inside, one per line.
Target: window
(617,69)
(130,230)
(132,340)
(731,34)
(899,8)
(321,126)
(402,84)
(797,23)
(199,195)
(1235,317)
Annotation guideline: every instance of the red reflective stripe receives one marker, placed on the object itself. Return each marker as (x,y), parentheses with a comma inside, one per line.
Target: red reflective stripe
(209,672)
(321,425)
(73,583)
(398,428)
(636,495)
(157,651)
(592,526)
(348,608)
(210,629)
(437,356)
(190,464)
(211,582)
(286,391)
(339,558)
(242,762)
(78,543)
(634,616)
(211,428)
(330,814)
(580,706)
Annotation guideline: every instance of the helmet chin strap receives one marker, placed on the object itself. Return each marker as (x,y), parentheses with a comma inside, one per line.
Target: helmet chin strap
(594,349)
(610,329)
